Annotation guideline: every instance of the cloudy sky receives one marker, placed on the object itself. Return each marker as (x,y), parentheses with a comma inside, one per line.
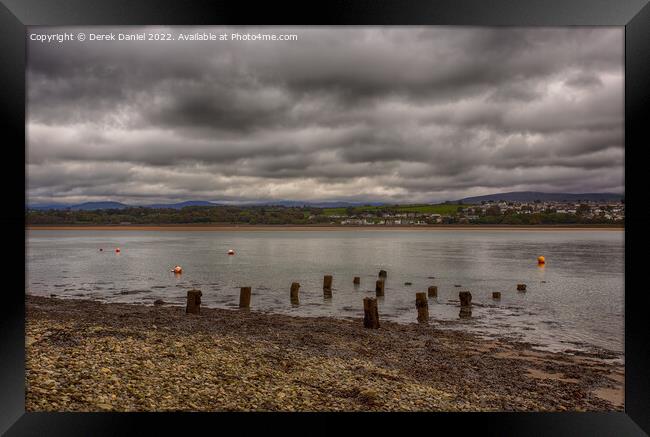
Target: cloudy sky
(387,114)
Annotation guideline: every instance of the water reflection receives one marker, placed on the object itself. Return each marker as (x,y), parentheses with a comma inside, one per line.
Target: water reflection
(585,264)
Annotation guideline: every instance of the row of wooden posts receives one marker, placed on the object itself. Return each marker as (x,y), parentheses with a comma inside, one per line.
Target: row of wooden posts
(370,308)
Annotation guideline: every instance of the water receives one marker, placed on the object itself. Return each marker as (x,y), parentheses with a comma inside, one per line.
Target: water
(574,302)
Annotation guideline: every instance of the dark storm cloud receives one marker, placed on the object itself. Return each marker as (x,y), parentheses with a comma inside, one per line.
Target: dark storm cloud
(392,114)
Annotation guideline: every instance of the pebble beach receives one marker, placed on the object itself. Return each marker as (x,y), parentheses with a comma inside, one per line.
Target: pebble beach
(84,355)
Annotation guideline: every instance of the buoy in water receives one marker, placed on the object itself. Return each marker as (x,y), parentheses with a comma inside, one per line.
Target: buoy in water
(101,250)
(541,260)
(231,252)
(117,250)
(177,269)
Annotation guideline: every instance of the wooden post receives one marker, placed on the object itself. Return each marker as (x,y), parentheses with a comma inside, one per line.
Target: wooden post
(245,297)
(496,295)
(379,287)
(357,280)
(422,304)
(465,304)
(193,302)
(383,274)
(327,286)
(295,287)
(521,287)
(370,313)
(433,291)
(465,298)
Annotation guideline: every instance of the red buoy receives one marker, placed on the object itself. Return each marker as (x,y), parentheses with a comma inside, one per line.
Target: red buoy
(117,250)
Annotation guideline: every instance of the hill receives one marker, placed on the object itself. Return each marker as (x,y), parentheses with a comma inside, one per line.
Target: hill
(531,196)
(90,206)
(181,205)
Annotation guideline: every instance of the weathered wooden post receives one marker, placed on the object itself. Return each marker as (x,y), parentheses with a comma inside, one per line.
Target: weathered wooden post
(433,291)
(295,287)
(193,302)
(245,297)
(370,313)
(383,274)
(465,304)
(521,287)
(379,287)
(422,304)
(327,285)
(496,295)
(357,280)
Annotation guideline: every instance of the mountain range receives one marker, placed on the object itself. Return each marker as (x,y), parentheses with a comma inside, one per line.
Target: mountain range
(91,206)
(515,196)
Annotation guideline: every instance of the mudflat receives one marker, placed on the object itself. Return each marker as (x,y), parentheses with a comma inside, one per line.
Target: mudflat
(84,355)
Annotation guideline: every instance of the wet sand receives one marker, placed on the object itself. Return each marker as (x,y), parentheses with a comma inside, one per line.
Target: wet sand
(90,356)
(356,228)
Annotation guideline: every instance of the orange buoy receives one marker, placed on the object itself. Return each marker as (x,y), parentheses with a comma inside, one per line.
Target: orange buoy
(231,252)
(177,269)
(117,250)
(541,260)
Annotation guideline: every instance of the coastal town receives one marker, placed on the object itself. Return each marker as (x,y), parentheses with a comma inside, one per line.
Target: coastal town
(488,213)
(448,213)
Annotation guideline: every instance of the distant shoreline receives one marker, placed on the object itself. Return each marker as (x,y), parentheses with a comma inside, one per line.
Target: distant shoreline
(234,228)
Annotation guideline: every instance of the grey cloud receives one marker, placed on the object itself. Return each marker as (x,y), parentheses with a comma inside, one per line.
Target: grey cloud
(408,114)
(584,80)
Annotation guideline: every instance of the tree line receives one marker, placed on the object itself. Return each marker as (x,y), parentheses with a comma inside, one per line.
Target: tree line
(187,215)
(275,215)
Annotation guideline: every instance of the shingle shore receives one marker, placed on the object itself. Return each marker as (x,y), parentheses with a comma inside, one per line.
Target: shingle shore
(88,356)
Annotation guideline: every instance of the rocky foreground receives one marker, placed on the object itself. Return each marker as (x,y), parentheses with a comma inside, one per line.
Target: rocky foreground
(89,356)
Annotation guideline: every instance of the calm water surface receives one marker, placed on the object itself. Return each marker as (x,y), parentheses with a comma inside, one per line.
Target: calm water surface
(574,302)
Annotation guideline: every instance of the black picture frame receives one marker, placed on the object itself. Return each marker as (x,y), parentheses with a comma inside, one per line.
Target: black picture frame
(634,15)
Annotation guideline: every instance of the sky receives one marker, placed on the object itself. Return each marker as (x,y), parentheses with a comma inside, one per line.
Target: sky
(381,114)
